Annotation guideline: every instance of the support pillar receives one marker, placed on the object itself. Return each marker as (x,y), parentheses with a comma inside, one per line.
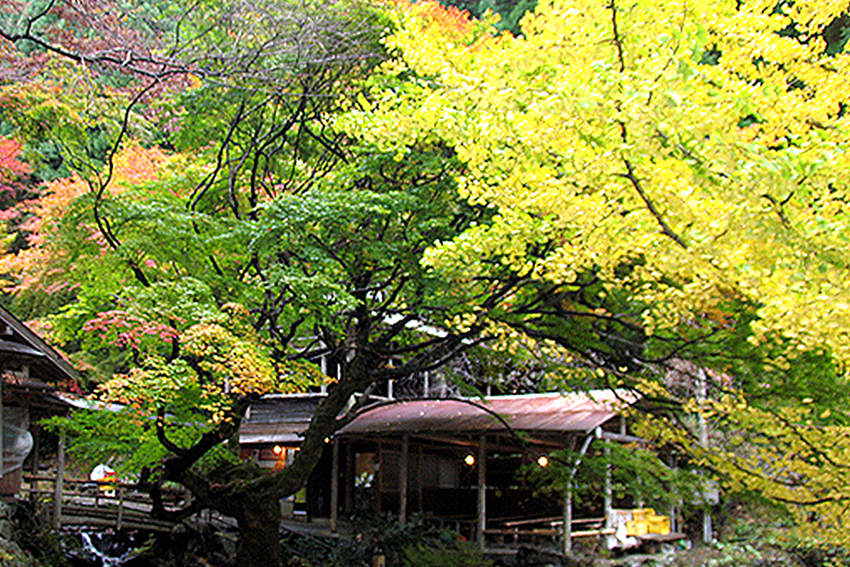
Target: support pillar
(58,487)
(702,397)
(609,495)
(335,486)
(482,491)
(568,495)
(379,478)
(673,512)
(402,479)
(567,544)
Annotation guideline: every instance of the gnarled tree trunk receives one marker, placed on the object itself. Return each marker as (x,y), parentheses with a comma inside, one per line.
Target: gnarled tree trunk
(259,531)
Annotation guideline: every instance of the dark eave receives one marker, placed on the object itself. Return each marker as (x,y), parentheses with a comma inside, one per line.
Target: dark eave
(16,339)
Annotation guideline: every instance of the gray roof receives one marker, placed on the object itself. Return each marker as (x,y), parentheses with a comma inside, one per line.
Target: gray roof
(280,419)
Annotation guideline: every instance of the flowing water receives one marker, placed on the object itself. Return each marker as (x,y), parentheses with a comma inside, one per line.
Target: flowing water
(182,548)
(102,549)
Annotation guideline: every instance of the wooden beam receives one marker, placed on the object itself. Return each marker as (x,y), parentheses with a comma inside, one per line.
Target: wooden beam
(481,525)
(60,478)
(335,486)
(567,544)
(402,479)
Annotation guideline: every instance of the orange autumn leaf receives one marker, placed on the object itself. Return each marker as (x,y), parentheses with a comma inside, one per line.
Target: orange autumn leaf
(136,164)
(30,268)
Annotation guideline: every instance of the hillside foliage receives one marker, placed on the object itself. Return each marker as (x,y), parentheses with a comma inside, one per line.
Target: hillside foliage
(206,199)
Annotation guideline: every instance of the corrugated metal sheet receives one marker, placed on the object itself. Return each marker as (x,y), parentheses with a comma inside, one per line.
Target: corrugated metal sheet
(283,420)
(541,412)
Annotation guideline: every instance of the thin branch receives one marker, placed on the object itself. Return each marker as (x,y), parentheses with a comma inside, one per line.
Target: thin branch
(635,182)
(618,42)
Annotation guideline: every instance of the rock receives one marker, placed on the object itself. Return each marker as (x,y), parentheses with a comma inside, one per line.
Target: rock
(11,555)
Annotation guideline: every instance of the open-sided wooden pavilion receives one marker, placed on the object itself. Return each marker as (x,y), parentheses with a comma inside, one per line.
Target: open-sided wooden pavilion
(452,461)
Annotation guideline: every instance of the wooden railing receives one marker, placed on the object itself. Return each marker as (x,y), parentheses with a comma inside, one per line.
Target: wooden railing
(78,502)
(534,531)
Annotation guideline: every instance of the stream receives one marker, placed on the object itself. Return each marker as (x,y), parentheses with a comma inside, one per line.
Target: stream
(181,548)
(103,549)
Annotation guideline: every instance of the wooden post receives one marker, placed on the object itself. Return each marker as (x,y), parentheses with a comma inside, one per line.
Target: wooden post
(673,511)
(568,518)
(568,496)
(58,485)
(379,477)
(419,491)
(335,486)
(609,494)
(482,492)
(702,396)
(402,479)
(34,460)
(120,520)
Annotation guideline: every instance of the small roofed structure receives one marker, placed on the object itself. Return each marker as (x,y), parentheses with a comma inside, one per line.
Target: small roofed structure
(277,420)
(30,369)
(453,461)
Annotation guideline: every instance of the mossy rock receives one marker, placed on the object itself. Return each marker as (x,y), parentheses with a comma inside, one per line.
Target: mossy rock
(11,555)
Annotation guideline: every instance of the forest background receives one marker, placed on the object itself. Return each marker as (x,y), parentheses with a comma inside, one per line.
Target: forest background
(202,198)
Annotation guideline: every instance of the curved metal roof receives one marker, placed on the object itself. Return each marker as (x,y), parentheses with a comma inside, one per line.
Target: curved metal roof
(549,413)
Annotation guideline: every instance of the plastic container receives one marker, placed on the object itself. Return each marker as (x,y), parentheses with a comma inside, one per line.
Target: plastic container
(637,528)
(659,525)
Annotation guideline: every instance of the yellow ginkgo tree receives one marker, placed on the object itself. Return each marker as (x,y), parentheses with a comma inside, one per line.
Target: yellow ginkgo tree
(706,139)
(689,158)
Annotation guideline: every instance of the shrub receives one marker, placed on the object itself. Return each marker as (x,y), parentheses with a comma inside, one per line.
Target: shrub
(457,553)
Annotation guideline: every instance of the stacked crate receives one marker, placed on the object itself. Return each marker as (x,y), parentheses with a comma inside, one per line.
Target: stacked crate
(644,521)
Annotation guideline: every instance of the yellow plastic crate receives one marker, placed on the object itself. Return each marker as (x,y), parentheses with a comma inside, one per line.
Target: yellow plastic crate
(637,528)
(659,525)
(642,514)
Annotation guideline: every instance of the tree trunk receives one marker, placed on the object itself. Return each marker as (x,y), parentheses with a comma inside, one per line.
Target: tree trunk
(254,497)
(259,531)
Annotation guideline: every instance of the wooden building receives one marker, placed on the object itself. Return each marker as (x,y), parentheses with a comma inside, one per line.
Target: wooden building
(30,370)
(452,461)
